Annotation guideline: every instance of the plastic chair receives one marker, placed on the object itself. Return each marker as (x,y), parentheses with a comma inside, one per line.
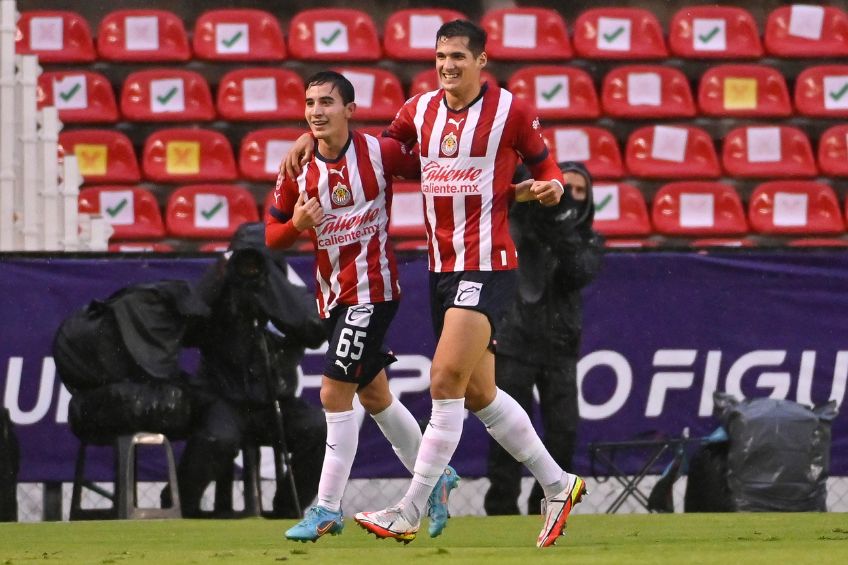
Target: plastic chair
(595,147)
(209,211)
(104,156)
(714,32)
(698,208)
(755,91)
(142,36)
(261,152)
(238,35)
(334,34)
(794,207)
(166,95)
(768,151)
(187,155)
(260,94)
(526,34)
(619,33)
(833,151)
(803,30)
(56,36)
(822,91)
(647,92)
(410,35)
(556,92)
(132,211)
(620,210)
(80,96)
(407,219)
(379,93)
(427,81)
(672,152)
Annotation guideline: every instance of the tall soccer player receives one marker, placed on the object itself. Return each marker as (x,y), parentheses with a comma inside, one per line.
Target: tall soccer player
(343,197)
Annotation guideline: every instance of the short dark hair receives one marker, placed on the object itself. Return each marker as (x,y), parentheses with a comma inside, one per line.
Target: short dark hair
(464,28)
(339,82)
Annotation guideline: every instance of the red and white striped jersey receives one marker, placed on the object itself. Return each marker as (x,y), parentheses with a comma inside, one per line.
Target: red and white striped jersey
(354,261)
(468,158)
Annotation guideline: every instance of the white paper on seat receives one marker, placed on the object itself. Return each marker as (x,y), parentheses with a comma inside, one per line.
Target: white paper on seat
(607,203)
(806,21)
(614,34)
(519,31)
(836,92)
(211,211)
(141,33)
(709,34)
(70,92)
(232,38)
(331,37)
(275,150)
(571,145)
(117,207)
(763,145)
(259,94)
(669,143)
(697,210)
(167,95)
(422,31)
(790,209)
(407,210)
(644,89)
(46,34)
(363,86)
(552,91)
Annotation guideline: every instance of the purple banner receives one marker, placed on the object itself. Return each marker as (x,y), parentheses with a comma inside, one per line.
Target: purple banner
(662,332)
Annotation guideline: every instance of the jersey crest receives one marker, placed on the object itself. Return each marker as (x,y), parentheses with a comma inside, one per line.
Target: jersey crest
(341,195)
(449,145)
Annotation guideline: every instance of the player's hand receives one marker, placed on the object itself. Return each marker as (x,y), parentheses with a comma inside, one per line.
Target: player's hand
(522,191)
(299,154)
(577,182)
(546,192)
(307,214)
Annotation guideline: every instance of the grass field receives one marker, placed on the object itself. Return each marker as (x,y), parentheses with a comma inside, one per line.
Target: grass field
(731,539)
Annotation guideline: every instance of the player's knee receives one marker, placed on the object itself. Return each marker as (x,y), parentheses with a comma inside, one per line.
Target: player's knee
(374,400)
(335,400)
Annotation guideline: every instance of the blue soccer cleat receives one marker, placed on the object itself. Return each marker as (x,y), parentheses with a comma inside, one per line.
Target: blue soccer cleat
(317,522)
(438,501)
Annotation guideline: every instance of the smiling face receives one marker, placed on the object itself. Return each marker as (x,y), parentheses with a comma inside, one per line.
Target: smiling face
(326,113)
(458,68)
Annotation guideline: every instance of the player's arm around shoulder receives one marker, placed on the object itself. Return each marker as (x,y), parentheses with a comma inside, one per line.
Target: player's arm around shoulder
(399,160)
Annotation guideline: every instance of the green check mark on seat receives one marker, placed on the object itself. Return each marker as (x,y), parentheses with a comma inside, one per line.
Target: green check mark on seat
(231,41)
(113,211)
(610,37)
(603,203)
(552,92)
(167,97)
(69,94)
(840,93)
(706,38)
(331,38)
(211,212)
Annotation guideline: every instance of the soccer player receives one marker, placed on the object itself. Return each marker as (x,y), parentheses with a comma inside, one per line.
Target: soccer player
(343,197)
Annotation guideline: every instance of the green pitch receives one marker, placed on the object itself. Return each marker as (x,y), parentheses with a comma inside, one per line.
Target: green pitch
(732,539)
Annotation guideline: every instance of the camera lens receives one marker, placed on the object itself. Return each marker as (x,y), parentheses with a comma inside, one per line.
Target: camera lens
(248,264)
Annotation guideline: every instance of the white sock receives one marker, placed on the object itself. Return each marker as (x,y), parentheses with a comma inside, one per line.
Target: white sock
(342,440)
(401,429)
(509,425)
(437,446)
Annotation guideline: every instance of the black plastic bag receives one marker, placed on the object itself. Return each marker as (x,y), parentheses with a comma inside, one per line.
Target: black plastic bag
(706,486)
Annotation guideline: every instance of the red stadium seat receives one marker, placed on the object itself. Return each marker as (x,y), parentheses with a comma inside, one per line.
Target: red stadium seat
(744,91)
(768,151)
(410,35)
(260,94)
(647,91)
(698,208)
(334,34)
(104,156)
(166,95)
(187,155)
(407,219)
(238,35)
(822,91)
(594,147)
(209,211)
(672,152)
(620,210)
(55,36)
(833,151)
(556,92)
(807,31)
(133,212)
(714,32)
(526,34)
(379,94)
(427,81)
(794,207)
(142,36)
(137,247)
(619,33)
(262,151)
(80,96)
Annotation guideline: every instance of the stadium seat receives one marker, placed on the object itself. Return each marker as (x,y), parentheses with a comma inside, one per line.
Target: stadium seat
(55,36)
(262,151)
(557,92)
(526,34)
(142,36)
(260,94)
(379,93)
(822,91)
(714,32)
(595,147)
(671,152)
(427,81)
(807,31)
(620,210)
(132,211)
(407,219)
(80,96)
(768,151)
(209,211)
(187,155)
(818,242)
(755,91)
(698,208)
(647,92)
(166,95)
(334,34)
(140,247)
(410,35)
(238,35)
(103,156)
(619,33)
(794,207)
(833,151)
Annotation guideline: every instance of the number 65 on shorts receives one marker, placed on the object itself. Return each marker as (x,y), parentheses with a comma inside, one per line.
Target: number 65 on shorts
(355,353)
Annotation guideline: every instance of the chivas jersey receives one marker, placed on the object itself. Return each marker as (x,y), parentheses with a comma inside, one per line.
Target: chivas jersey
(468,157)
(354,261)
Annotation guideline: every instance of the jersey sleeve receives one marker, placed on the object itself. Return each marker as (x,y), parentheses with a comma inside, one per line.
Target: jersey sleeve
(403,127)
(279,228)
(530,145)
(399,160)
